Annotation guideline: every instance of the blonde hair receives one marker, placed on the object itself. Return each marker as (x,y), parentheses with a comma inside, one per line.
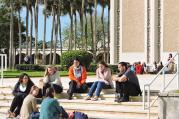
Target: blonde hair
(33,88)
(51,67)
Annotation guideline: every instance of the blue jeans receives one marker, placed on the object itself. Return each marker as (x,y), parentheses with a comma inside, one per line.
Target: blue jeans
(98,86)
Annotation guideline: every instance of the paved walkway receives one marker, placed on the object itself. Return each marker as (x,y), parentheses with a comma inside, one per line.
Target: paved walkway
(143,79)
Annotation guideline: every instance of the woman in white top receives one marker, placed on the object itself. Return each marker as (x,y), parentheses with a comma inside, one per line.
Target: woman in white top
(103,75)
(21,90)
(52,79)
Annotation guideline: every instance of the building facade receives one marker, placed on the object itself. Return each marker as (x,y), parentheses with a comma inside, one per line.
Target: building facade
(143,30)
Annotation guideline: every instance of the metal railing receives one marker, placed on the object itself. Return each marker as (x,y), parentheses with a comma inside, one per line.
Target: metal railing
(147,104)
(3,65)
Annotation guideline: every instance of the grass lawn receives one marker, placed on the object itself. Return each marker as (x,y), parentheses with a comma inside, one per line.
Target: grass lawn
(15,73)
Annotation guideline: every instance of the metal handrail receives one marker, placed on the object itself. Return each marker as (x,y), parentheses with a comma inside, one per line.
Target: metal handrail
(164,87)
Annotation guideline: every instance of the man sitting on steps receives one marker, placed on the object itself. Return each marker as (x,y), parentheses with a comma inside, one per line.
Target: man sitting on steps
(127,83)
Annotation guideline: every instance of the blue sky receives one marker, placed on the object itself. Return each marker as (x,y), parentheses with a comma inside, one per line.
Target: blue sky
(65,21)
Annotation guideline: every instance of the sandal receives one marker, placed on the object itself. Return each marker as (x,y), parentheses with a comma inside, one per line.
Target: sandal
(11,114)
(88,98)
(95,98)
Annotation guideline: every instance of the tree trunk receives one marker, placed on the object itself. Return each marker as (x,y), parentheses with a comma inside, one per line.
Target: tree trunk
(94,31)
(31,31)
(27,24)
(86,34)
(44,34)
(11,37)
(36,31)
(91,21)
(81,21)
(59,27)
(75,29)
(71,29)
(51,42)
(55,41)
(20,37)
(104,43)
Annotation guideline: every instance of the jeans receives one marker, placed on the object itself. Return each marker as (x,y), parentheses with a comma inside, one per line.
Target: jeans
(98,86)
(34,115)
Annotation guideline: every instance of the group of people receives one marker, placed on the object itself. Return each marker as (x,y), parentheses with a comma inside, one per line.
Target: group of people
(25,103)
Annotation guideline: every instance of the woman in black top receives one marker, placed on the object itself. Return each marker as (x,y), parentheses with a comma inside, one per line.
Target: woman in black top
(21,90)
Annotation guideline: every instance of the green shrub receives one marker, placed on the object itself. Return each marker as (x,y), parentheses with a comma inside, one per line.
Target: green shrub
(28,67)
(68,57)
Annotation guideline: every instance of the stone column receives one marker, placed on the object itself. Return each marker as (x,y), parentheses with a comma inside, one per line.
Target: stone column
(114,31)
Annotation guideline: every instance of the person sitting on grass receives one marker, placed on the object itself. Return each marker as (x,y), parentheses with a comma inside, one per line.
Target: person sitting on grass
(103,75)
(77,75)
(29,106)
(50,108)
(21,90)
(127,83)
(52,79)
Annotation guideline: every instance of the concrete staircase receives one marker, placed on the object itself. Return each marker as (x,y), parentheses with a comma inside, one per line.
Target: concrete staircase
(104,108)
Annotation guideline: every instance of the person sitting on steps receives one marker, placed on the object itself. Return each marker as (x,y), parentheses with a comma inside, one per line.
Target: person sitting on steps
(127,83)
(21,90)
(52,79)
(77,75)
(103,75)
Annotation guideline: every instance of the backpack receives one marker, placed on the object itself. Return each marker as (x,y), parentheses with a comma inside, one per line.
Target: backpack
(80,115)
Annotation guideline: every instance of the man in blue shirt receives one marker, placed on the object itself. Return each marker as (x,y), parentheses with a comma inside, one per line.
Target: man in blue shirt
(126,83)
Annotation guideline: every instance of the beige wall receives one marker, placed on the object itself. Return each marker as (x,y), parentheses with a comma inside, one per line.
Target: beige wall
(133,26)
(171,25)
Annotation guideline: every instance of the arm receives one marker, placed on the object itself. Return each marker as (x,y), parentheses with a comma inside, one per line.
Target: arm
(84,76)
(107,75)
(71,75)
(34,105)
(15,91)
(123,78)
(57,79)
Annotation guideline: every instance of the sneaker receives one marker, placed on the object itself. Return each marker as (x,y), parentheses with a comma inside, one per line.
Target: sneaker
(88,98)
(95,98)
(124,99)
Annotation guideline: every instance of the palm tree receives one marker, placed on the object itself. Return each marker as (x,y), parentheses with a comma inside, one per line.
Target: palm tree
(59,24)
(44,34)
(31,30)
(86,34)
(11,36)
(94,31)
(91,4)
(36,30)
(52,32)
(27,24)
(71,18)
(19,27)
(102,21)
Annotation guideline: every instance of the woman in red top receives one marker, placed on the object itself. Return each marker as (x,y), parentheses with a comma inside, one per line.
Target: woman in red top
(77,75)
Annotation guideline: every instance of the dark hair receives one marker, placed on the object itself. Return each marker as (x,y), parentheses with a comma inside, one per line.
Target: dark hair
(22,76)
(49,92)
(77,59)
(103,63)
(123,64)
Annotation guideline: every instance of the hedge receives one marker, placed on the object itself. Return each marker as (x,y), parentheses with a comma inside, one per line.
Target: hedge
(28,67)
(68,57)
